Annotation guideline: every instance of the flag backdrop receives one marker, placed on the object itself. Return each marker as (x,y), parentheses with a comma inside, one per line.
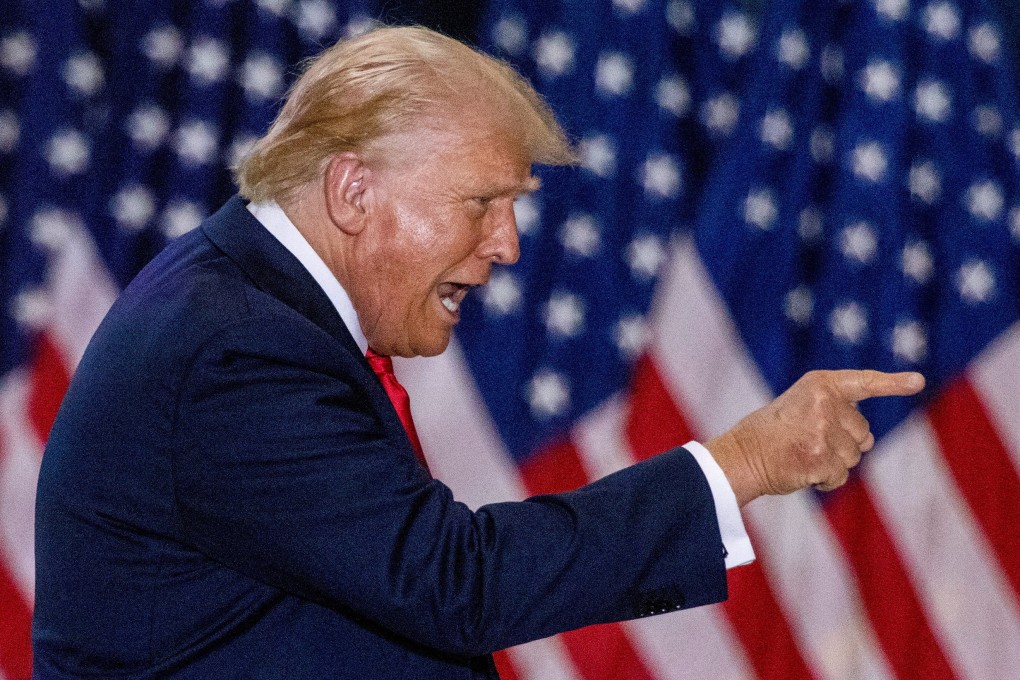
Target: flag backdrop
(822,184)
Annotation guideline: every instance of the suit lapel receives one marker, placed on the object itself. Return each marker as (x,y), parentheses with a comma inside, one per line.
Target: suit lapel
(273,268)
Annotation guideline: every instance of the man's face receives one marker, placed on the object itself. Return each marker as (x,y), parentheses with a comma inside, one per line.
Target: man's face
(438,215)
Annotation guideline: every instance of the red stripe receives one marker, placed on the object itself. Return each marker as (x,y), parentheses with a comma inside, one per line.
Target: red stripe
(983,469)
(889,597)
(653,422)
(15,629)
(504,666)
(656,422)
(48,381)
(597,651)
(760,624)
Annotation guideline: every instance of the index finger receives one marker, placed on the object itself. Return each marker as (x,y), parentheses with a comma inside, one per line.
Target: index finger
(856,385)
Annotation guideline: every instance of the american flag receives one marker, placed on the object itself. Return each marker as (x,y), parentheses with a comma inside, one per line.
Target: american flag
(823,184)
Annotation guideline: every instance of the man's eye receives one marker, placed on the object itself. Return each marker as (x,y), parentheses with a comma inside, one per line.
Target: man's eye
(484,200)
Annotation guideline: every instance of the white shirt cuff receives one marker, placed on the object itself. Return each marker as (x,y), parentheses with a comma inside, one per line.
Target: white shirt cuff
(731,525)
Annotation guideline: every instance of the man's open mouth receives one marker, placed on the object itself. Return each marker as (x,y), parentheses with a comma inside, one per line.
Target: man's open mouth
(451,294)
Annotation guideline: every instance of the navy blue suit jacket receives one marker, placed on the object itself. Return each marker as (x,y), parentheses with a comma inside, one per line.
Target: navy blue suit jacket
(227,492)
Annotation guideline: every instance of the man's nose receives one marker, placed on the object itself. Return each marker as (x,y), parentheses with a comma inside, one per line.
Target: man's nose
(502,245)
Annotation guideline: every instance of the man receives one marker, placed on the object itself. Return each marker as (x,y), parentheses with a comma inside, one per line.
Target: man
(230,489)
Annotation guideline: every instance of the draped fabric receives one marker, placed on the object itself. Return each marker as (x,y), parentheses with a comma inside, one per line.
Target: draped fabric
(824,184)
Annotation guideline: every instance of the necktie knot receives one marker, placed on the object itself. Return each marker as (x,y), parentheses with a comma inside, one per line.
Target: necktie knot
(383,367)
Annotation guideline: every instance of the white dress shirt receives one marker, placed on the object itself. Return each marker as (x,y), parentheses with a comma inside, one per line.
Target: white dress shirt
(731,524)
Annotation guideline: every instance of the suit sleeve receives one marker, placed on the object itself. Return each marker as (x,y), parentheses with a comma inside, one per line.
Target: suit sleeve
(284,470)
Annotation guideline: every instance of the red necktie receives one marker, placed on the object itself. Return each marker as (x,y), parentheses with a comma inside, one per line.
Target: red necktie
(383,367)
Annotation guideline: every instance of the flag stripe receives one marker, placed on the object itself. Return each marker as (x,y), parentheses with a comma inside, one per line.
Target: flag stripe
(996,374)
(982,470)
(15,629)
(888,593)
(966,596)
(47,384)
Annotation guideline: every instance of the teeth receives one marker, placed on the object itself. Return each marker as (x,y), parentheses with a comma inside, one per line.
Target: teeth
(450,304)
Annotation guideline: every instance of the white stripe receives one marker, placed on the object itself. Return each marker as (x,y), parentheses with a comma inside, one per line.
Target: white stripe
(996,376)
(466,453)
(706,368)
(81,291)
(694,643)
(971,608)
(599,437)
(20,453)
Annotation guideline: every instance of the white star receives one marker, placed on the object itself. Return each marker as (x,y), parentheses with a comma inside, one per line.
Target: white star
(1014,223)
(180,217)
(831,64)
(196,143)
(987,121)
(985,200)
(1014,143)
(909,341)
(240,148)
(917,261)
(32,308)
(163,45)
(527,213)
(645,256)
(859,242)
(680,16)
(933,101)
(554,54)
(83,73)
(510,35)
(809,226)
(735,35)
(976,282)
(208,60)
(359,24)
(580,236)
(147,126)
(823,145)
(10,131)
(893,10)
(849,323)
(984,43)
(629,6)
(660,176)
(3,212)
(261,76)
(880,81)
(720,113)
(793,48)
(673,95)
(18,53)
(314,19)
(277,7)
(133,207)
(53,228)
(502,295)
(68,153)
(925,182)
(614,73)
(548,395)
(869,161)
(800,305)
(941,20)
(760,208)
(564,314)
(776,129)
(631,335)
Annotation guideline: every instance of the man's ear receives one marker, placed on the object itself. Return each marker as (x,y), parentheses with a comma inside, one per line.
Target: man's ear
(344,189)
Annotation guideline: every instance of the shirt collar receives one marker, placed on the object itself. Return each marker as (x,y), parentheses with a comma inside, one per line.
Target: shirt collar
(276,222)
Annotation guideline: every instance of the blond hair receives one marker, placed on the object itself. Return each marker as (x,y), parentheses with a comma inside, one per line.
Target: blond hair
(384,82)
